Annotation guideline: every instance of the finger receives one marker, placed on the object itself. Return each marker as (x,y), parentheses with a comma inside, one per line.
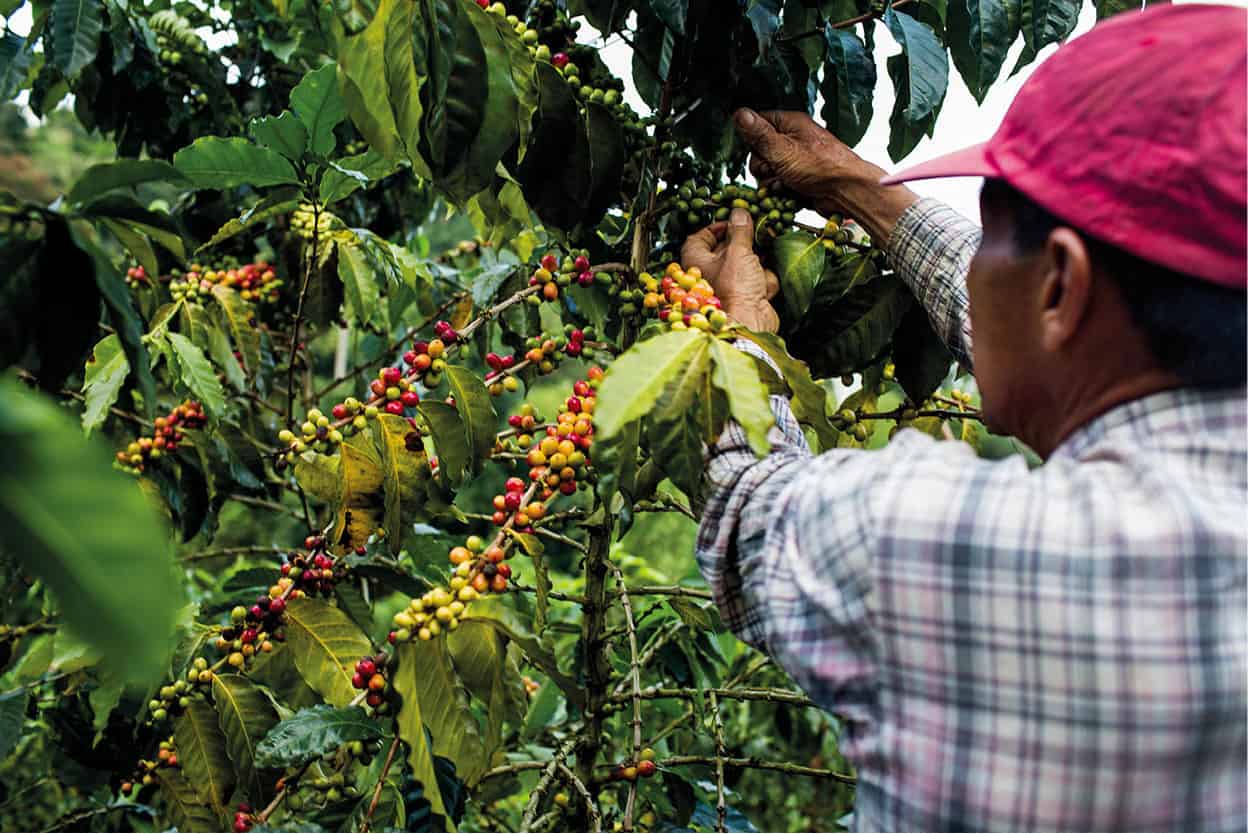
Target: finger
(758,133)
(791,122)
(740,231)
(761,168)
(702,243)
(773,284)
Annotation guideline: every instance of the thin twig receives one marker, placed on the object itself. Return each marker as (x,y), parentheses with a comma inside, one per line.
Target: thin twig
(844,24)
(244,550)
(544,782)
(303,294)
(398,343)
(759,764)
(775,696)
(717,725)
(381,783)
(595,821)
(635,674)
(265,505)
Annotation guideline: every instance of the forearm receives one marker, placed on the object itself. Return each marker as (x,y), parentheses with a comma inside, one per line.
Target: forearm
(859,195)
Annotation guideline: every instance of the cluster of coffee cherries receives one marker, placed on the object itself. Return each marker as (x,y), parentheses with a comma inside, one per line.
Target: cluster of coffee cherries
(481,568)
(683,299)
(439,609)
(552,274)
(254,281)
(173,698)
(243,818)
(370,677)
(393,391)
(643,767)
(558,461)
(308,223)
(136,276)
(166,757)
(695,205)
(332,787)
(166,435)
(498,379)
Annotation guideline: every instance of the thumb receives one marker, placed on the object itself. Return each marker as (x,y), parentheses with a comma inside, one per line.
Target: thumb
(741,231)
(757,132)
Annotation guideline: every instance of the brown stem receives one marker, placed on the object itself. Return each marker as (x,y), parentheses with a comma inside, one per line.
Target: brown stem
(717,725)
(759,764)
(381,783)
(844,24)
(635,674)
(303,294)
(543,784)
(775,696)
(265,505)
(246,550)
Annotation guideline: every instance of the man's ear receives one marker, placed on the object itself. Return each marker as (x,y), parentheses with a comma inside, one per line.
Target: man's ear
(1066,289)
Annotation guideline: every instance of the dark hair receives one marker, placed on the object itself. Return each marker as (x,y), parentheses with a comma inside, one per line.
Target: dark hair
(1195,329)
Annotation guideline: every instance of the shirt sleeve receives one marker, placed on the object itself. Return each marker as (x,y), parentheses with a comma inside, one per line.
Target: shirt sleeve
(931,249)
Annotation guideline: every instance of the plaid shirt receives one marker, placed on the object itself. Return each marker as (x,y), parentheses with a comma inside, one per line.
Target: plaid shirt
(1058,648)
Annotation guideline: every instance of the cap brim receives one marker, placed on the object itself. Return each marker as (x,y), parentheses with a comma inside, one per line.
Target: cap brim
(968,162)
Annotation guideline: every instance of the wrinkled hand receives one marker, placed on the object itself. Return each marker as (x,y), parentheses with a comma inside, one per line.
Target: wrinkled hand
(789,150)
(724,252)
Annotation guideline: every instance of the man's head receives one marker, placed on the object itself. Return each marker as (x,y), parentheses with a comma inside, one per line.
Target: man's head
(1063,322)
(1115,251)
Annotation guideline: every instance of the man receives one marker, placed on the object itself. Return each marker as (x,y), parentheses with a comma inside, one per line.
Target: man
(1061,648)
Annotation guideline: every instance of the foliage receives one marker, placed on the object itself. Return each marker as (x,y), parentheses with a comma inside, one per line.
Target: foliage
(340,294)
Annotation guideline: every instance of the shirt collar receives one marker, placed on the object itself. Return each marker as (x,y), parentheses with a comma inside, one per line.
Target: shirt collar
(1153,420)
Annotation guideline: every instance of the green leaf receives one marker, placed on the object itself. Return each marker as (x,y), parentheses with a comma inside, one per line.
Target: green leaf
(848,86)
(479,653)
(922,361)
(222,353)
(359,280)
(672,13)
(325,645)
(412,725)
(271,206)
(506,621)
(15,59)
(99,180)
(854,331)
(238,317)
(444,708)
(799,266)
(362,63)
(245,715)
(103,378)
(404,472)
(476,410)
(283,133)
(319,105)
(637,377)
(139,247)
(736,375)
(926,64)
(764,16)
(74,34)
(979,34)
(60,502)
(213,162)
(186,808)
(1044,22)
(809,399)
(1104,8)
(353,172)
(198,375)
(202,754)
(449,439)
(904,135)
(314,732)
(12,720)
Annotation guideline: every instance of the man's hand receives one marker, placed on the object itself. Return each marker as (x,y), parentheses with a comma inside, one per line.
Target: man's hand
(791,150)
(724,252)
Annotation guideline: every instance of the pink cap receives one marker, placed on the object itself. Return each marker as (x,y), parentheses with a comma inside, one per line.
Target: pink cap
(1136,134)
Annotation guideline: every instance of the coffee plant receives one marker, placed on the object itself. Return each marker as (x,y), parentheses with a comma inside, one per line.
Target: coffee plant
(395,394)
